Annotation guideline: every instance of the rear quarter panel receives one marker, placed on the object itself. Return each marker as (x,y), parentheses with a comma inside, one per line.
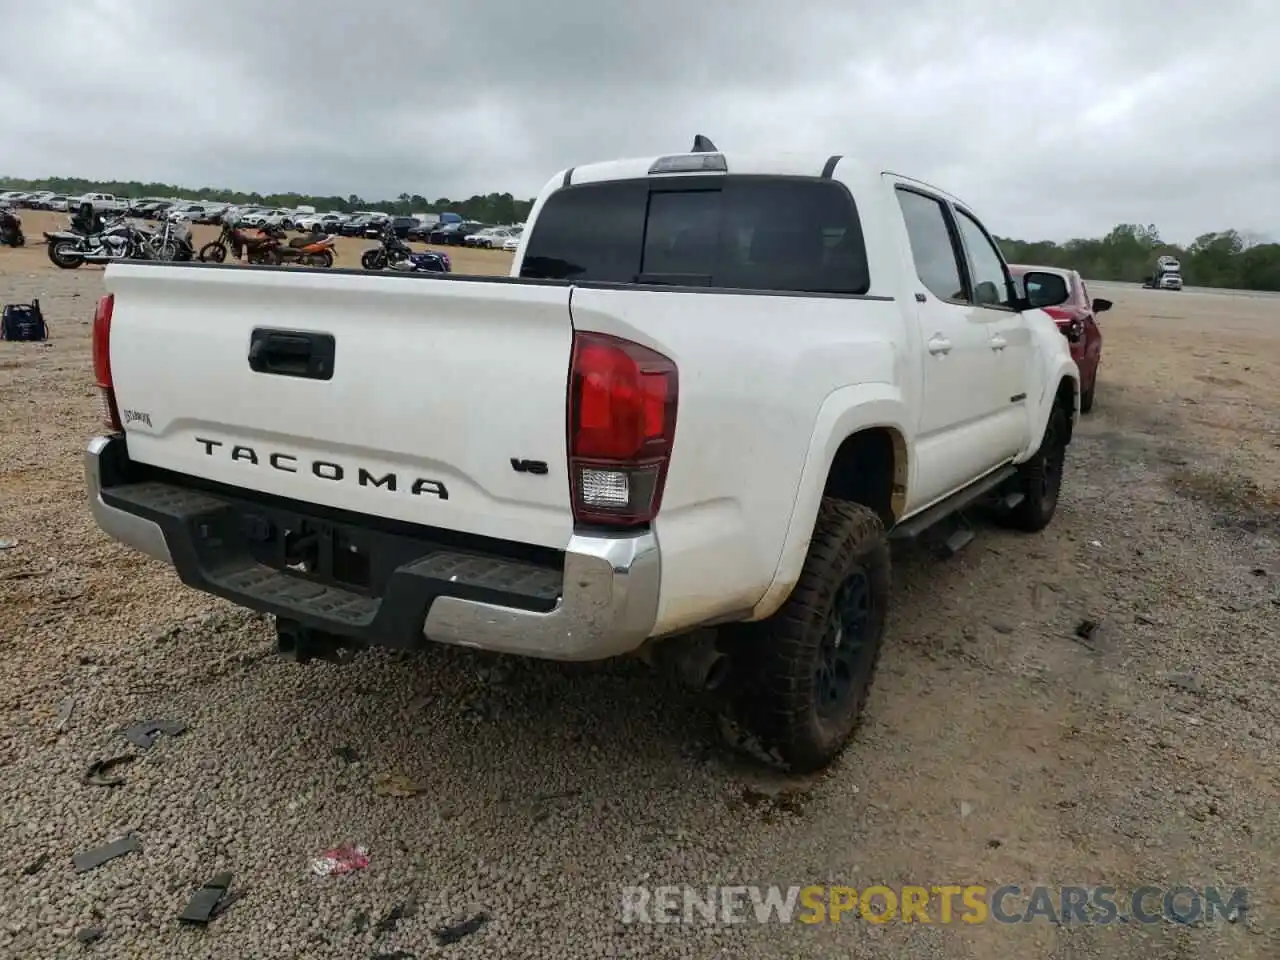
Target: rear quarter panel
(757,373)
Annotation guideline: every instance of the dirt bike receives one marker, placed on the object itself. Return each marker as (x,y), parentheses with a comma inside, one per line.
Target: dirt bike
(236,241)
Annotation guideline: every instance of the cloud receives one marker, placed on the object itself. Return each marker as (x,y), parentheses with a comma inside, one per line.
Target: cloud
(1051,120)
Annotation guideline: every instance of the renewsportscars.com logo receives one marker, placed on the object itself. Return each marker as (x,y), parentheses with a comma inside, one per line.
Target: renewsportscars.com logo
(940,904)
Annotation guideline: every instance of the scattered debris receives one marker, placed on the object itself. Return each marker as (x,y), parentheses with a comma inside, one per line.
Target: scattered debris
(88,935)
(144,734)
(397,955)
(994,844)
(346,754)
(1184,681)
(361,921)
(65,710)
(346,858)
(35,866)
(1002,628)
(458,931)
(97,776)
(92,859)
(401,911)
(203,905)
(1085,629)
(7,544)
(966,808)
(397,785)
(1143,618)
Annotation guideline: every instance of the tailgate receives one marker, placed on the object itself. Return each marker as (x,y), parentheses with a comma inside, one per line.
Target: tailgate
(444,397)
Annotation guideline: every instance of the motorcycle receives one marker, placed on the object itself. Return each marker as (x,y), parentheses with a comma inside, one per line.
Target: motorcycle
(118,240)
(394,254)
(236,241)
(313,250)
(171,242)
(11,230)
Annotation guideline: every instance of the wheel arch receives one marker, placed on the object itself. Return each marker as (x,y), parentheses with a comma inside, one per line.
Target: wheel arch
(859,451)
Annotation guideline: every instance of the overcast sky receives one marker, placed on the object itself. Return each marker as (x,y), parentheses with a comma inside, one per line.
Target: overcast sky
(1052,119)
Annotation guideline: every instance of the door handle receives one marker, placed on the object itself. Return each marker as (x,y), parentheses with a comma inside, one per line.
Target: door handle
(998,342)
(938,344)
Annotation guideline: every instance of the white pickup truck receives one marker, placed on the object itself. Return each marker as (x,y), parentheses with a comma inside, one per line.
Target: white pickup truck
(686,426)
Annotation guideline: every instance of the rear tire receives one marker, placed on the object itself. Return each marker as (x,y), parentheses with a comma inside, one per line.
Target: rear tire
(803,675)
(1040,478)
(63,255)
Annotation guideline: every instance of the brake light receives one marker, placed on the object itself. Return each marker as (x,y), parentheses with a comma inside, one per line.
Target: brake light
(102,360)
(622,421)
(1059,314)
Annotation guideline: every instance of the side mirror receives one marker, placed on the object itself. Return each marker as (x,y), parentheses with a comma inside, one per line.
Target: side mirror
(1044,290)
(1100,305)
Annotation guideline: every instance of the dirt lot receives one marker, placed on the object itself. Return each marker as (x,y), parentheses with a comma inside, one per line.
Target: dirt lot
(1000,749)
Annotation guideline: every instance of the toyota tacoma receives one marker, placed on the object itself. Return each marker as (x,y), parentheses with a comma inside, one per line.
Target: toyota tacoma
(712,391)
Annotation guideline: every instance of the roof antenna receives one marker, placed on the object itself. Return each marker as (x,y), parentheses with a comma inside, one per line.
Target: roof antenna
(702,144)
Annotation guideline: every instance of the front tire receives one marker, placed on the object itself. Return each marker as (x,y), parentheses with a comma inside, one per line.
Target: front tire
(1039,480)
(806,672)
(214,252)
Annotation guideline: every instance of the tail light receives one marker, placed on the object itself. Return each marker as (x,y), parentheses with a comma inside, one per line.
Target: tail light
(1059,314)
(102,360)
(622,421)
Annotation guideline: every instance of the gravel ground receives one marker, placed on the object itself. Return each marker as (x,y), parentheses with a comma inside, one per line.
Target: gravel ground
(1000,747)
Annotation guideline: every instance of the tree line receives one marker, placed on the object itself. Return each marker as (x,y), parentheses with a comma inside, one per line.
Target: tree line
(1225,258)
(493,208)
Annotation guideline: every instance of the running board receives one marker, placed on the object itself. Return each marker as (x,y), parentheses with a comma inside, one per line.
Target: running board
(910,529)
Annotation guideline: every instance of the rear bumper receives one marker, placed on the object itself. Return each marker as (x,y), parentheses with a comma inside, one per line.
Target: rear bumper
(599,599)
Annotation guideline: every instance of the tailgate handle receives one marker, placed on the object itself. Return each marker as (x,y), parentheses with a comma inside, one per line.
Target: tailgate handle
(292,353)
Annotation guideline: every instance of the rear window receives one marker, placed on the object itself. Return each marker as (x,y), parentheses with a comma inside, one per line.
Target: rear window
(752,233)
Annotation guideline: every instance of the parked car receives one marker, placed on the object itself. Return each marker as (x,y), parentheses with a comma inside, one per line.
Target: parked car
(453,233)
(102,202)
(1077,318)
(401,226)
(488,238)
(422,230)
(512,243)
(356,226)
(325,222)
(740,449)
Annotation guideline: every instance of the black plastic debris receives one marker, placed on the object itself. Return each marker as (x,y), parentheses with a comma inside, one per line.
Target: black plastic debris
(90,934)
(98,773)
(92,859)
(144,734)
(203,906)
(459,931)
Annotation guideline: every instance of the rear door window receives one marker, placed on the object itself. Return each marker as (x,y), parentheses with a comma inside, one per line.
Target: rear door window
(754,233)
